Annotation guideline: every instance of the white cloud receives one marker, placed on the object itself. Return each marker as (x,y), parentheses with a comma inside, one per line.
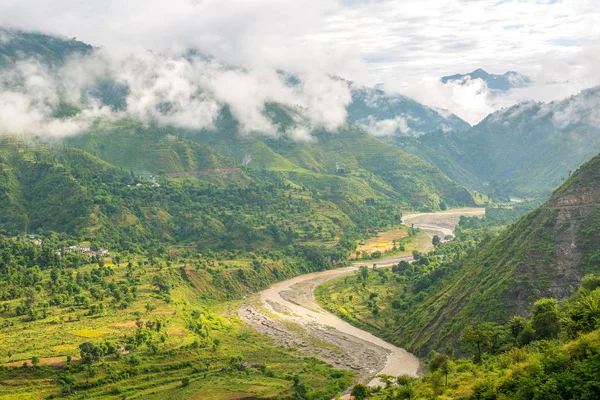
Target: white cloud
(408,45)
(176,91)
(389,127)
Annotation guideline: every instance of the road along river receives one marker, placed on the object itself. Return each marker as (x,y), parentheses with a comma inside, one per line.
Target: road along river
(288,312)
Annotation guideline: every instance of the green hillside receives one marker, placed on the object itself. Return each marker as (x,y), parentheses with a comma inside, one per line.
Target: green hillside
(18,45)
(486,275)
(525,150)
(365,165)
(552,355)
(147,150)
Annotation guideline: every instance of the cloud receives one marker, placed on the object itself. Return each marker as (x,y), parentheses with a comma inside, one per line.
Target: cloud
(176,91)
(389,127)
(408,45)
(473,100)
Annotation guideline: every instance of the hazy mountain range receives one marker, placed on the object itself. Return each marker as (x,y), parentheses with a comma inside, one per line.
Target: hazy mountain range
(506,81)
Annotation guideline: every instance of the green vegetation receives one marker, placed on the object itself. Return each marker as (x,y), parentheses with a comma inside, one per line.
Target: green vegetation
(143,327)
(525,150)
(386,301)
(17,46)
(486,275)
(553,355)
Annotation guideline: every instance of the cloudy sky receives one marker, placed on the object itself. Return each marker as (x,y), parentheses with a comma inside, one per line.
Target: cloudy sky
(406,44)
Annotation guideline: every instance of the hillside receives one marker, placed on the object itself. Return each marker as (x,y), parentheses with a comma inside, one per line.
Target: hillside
(17,46)
(347,163)
(526,150)
(388,114)
(545,254)
(487,274)
(66,190)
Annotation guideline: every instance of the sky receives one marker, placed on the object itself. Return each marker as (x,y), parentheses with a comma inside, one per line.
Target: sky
(405,44)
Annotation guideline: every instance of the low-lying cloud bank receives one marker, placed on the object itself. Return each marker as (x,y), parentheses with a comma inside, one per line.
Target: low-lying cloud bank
(180,91)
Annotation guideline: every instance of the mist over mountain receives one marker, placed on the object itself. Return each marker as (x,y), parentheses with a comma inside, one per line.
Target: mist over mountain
(527,149)
(507,81)
(388,114)
(188,117)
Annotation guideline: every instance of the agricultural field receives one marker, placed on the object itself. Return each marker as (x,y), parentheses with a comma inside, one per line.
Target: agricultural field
(401,240)
(147,329)
(384,241)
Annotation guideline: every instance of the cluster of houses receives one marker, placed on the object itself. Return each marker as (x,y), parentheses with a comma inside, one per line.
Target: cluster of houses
(87,250)
(83,250)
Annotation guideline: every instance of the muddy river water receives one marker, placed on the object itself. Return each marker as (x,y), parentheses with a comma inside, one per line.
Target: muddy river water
(319,333)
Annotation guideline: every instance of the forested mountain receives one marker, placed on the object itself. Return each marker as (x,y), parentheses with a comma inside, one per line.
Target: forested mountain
(545,254)
(18,46)
(387,114)
(527,149)
(144,180)
(182,191)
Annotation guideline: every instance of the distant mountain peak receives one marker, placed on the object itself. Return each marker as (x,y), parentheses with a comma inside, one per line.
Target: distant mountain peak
(504,82)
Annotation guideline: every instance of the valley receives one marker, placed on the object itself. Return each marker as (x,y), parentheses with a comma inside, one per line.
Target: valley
(324,335)
(233,200)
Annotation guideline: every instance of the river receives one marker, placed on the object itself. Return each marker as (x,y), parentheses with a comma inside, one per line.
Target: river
(293,301)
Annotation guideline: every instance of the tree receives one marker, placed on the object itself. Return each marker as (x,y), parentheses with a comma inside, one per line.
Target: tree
(364,272)
(545,319)
(478,337)
(516,326)
(35,361)
(161,283)
(436,241)
(360,392)
(89,352)
(439,362)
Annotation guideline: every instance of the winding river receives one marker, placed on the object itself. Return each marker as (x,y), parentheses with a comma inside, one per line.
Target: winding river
(293,301)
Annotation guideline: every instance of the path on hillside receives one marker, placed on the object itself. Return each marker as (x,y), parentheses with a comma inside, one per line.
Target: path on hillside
(288,312)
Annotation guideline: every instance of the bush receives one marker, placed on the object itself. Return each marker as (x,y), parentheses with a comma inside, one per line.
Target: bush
(360,392)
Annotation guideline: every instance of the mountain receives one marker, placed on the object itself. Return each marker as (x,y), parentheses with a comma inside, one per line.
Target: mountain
(137,183)
(545,254)
(508,80)
(526,150)
(387,114)
(17,46)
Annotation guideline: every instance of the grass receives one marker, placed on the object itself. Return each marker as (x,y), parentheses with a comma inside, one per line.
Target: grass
(207,366)
(384,241)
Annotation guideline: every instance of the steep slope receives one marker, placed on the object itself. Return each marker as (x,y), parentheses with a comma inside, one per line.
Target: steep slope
(528,149)
(147,149)
(545,254)
(349,157)
(385,114)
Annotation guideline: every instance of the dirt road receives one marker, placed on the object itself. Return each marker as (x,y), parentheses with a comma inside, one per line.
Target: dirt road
(288,312)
